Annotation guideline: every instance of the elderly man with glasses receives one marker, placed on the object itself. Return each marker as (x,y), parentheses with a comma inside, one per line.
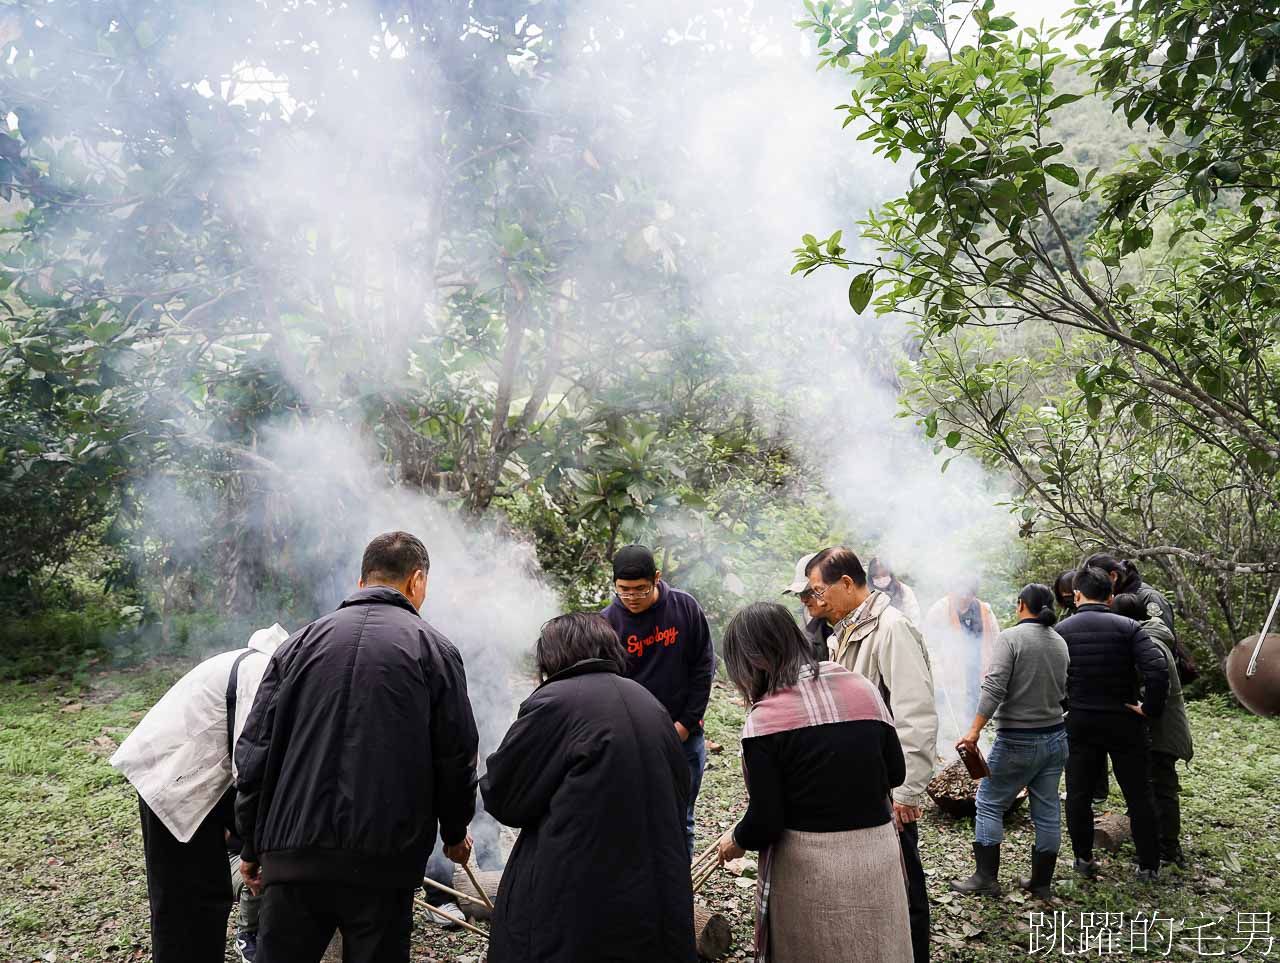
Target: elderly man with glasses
(669,651)
(874,638)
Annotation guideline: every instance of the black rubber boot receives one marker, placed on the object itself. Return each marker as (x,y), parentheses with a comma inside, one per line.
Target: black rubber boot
(986,880)
(1040,885)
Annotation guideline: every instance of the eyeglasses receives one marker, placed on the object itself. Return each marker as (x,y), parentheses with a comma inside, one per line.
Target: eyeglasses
(634,594)
(815,593)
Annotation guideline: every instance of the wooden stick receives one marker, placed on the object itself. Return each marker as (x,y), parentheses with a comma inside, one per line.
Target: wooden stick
(436,911)
(455,893)
(476,883)
(700,879)
(713,849)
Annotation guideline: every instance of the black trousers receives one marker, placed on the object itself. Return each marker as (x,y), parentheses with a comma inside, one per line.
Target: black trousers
(1165,787)
(917,893)
(1123,738)
(299,919)
(188,887)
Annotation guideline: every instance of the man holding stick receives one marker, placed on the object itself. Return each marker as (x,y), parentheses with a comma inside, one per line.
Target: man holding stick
(361,742)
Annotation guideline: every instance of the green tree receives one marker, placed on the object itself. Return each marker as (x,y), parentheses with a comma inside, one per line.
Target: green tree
(1144,413)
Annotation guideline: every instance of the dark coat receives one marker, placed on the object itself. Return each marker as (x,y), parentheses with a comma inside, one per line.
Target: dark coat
(1109,655)
(817,631)
(360,740)
(593,775)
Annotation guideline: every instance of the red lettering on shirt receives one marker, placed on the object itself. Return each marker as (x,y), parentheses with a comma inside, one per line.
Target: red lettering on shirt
(667,636)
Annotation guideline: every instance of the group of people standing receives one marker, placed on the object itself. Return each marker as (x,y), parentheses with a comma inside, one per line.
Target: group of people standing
(1114,665)
(334,758)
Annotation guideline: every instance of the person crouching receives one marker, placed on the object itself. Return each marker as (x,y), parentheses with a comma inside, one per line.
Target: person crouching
(821,754)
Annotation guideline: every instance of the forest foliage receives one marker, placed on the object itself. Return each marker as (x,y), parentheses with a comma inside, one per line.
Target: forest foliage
(496,297)
(1108,334)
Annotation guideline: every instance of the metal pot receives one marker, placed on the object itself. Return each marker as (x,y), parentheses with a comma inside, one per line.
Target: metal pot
(1259,693)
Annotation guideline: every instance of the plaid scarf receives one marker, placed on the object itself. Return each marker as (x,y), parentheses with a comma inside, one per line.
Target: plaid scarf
(834,694)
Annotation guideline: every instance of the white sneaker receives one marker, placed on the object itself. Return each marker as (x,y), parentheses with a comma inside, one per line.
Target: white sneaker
(453,910)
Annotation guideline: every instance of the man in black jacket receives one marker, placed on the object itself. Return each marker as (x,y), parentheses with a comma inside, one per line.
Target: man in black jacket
(1109,654)
(361,741)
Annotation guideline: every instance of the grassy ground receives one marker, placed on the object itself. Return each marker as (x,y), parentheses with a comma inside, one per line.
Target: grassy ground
(75,888)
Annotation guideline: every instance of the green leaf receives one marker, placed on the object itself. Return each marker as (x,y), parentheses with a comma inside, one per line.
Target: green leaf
(952,439)
(1259,460)
(1062,100)
(931,425)
(1001,23)
(1062,172)
(860,290)
(1094,406)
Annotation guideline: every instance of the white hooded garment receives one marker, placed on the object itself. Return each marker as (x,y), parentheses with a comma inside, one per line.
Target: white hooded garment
(177,758)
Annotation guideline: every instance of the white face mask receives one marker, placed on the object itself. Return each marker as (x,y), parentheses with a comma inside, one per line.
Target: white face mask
(882,582)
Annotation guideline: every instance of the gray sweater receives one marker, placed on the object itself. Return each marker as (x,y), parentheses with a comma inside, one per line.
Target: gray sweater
(1027,680)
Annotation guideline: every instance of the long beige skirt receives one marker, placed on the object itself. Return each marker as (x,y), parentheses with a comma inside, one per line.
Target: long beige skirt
(838,898)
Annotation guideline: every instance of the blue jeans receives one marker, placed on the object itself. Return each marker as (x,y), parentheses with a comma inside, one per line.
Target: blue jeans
(1031,759)
(695,754)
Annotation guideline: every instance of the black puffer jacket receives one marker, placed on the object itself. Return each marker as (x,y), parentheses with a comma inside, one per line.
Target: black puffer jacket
(593,775)
(1109,655)
(360,740)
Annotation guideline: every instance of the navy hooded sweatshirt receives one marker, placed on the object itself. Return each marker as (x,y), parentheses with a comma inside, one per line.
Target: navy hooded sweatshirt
(669,652)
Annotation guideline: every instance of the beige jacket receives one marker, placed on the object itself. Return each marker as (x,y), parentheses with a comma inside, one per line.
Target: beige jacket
(885,646)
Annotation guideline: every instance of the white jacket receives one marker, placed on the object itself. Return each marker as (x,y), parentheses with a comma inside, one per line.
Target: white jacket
(886,647)
(177,758)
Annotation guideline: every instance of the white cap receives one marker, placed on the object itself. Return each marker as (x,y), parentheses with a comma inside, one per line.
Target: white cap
(801,581)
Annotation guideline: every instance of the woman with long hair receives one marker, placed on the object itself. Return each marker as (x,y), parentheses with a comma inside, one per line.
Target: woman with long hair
(593,776)
(1022,692)
(820,755)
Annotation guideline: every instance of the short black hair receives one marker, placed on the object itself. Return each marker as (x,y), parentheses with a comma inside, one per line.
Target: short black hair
(1093,583)
(1130,606)
(393,557)
(569,639)
(764,650)
(634,561)
(1128,577)
(834,563)
(1104,560)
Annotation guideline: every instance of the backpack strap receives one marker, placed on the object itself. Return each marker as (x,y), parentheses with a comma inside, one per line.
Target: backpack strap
(232,684)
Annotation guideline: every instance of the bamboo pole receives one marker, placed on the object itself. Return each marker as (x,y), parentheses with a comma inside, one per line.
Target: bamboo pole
(436,911)
(476,883)
(456,893)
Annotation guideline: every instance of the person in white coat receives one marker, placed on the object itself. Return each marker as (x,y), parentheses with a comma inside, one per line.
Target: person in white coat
(179,759)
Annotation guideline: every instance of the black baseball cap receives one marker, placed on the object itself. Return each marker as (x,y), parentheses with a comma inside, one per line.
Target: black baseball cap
(634,562)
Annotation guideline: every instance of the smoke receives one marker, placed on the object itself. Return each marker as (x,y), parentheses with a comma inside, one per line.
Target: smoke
(713,111)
